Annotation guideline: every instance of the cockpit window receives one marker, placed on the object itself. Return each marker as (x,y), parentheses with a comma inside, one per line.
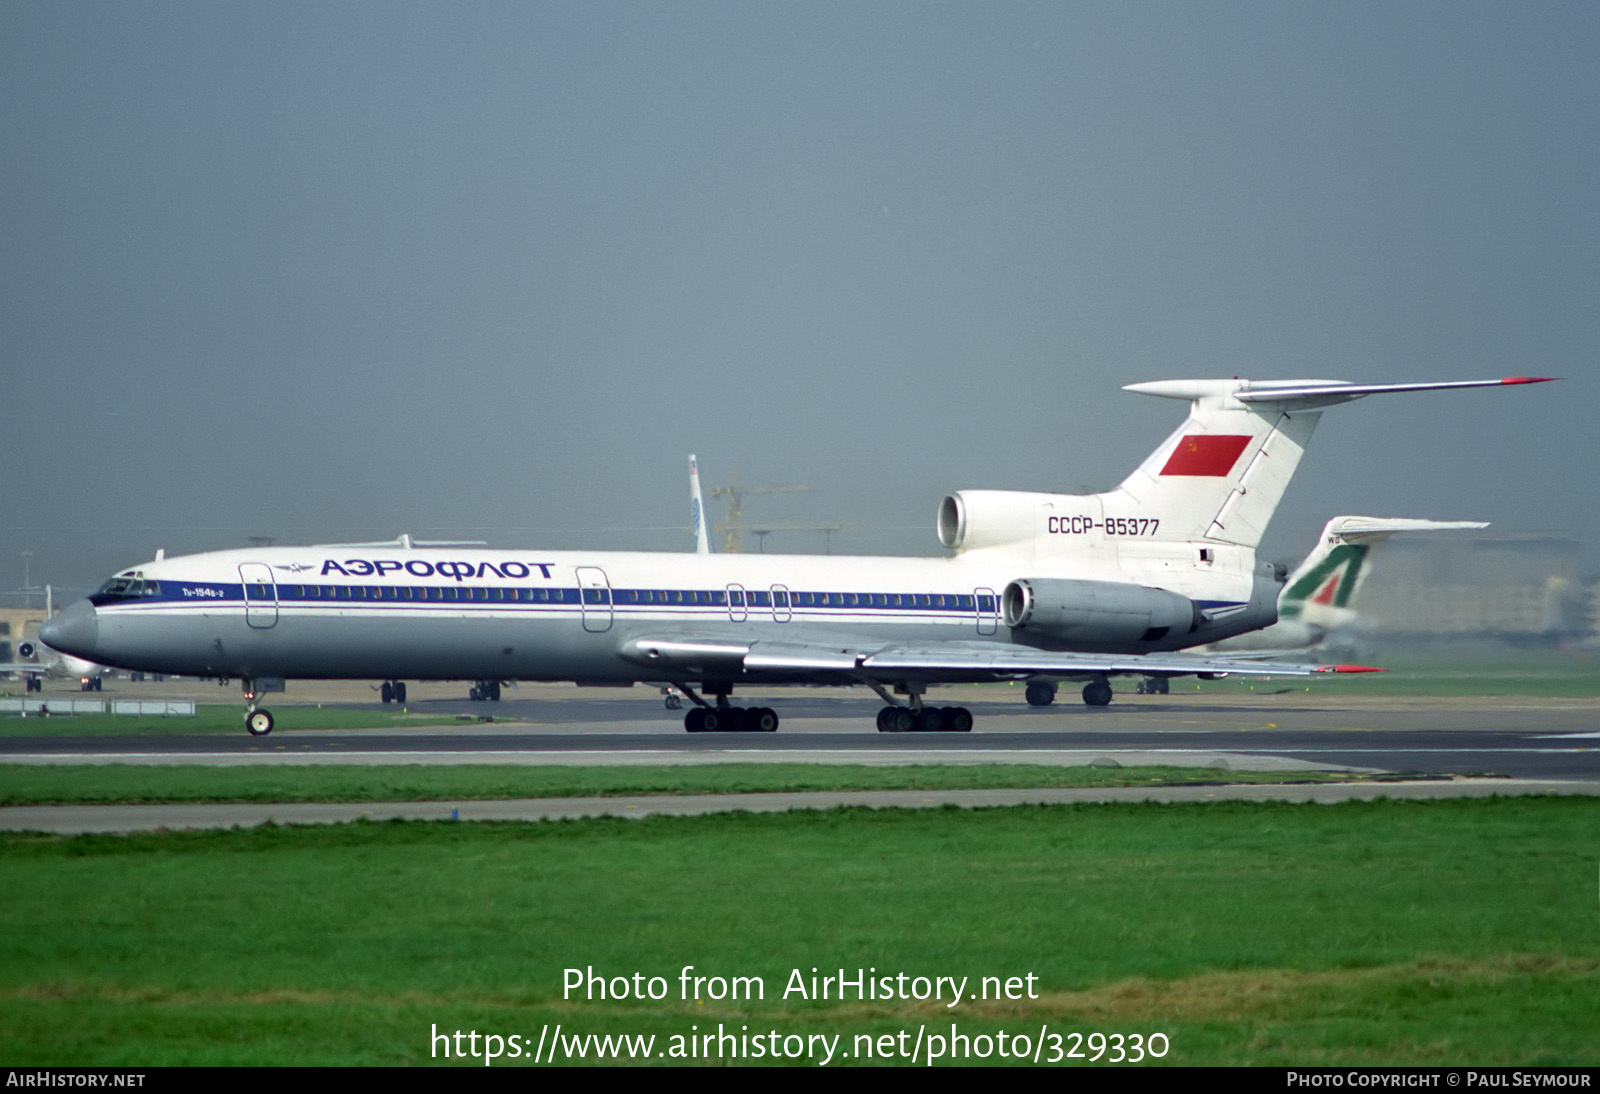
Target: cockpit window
(125,588)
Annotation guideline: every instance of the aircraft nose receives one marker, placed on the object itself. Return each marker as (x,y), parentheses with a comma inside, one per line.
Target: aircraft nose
(75,630)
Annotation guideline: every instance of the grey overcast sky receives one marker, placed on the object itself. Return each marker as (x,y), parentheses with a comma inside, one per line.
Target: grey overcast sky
(334,271)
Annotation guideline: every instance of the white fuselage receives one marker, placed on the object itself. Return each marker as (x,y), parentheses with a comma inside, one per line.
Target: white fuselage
(462,613)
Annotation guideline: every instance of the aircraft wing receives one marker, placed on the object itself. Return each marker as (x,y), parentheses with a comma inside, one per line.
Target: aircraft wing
(948,662)
(26,668)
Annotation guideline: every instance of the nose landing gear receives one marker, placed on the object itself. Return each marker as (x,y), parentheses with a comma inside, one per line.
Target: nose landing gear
(257,720)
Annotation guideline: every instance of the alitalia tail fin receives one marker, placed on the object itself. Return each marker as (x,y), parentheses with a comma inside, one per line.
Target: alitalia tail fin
(1323,587)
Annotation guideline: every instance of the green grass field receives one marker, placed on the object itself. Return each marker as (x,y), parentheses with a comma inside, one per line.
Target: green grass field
(1389,932)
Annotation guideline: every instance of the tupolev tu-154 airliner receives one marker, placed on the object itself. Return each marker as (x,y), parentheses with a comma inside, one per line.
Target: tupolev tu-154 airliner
(1082,587)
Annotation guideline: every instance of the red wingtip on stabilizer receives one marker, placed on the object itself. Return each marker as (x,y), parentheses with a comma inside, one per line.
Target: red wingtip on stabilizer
(1351,668)
(1529,379)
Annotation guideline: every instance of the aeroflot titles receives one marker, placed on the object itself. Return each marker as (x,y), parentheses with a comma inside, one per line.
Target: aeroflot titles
(416,567)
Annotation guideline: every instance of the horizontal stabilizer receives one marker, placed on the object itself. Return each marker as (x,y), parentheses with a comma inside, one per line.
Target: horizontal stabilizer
(1360,527)
(1219,477)
(1295,390)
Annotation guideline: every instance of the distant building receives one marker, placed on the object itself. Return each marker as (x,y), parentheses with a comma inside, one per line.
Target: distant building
(1490,584)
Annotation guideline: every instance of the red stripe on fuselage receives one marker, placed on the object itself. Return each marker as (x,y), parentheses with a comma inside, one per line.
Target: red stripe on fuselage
(1211,454)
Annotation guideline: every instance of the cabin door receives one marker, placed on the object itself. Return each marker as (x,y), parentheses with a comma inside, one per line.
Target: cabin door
(594,592)
(260,594)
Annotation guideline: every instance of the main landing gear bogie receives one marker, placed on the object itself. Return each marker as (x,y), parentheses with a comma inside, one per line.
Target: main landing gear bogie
(393,691)
(927,720)
(731,720)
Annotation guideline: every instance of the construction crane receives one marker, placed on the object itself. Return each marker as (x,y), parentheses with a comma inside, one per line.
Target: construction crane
(732,525)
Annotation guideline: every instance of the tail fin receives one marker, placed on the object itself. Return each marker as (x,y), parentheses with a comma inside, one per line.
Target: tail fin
(1323,587)
(697,509)
(1221,475)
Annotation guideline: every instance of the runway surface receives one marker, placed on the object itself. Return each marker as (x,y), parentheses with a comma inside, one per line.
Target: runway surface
(1436,748)
(1510,737)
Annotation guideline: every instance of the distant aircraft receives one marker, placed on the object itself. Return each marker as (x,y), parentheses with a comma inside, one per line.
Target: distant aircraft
(40,662)
(52,664)
(697,509)
(1080,586)
(1319,597)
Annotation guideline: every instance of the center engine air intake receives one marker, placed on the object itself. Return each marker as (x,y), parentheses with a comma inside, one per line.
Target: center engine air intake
(973,519)
(1097,615)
